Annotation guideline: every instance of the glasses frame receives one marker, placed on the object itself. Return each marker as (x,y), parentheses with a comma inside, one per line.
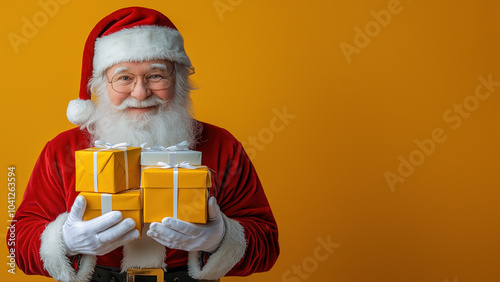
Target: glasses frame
(168,77)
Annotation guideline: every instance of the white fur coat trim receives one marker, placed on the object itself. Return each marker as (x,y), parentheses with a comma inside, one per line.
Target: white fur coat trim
(53,254)
(229,253)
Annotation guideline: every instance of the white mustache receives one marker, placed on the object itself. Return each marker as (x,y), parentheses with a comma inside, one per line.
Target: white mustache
(131,102)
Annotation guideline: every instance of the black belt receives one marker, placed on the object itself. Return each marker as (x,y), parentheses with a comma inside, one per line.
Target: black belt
(112,274)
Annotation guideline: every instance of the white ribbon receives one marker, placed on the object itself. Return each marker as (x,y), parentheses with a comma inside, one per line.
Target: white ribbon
(107,146)
(176,167)
(182,165)
(181,146)
(176,191)
(106,203)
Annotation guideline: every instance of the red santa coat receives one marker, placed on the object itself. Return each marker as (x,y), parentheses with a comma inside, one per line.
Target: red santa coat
(250,243)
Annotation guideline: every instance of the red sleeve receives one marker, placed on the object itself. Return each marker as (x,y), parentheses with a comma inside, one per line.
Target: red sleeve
(241,197)
(49,193)
(43,201)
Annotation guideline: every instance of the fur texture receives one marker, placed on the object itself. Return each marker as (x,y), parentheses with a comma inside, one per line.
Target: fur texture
(53,254)
(143,253)
(169,124)
(79,111)
(229,253)
(140,43)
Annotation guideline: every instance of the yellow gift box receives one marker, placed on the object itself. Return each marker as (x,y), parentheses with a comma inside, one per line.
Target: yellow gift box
(129,203)
(107,170)
(160,193)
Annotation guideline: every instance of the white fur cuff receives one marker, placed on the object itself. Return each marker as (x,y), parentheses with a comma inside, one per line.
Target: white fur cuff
(53,254)
(229,253)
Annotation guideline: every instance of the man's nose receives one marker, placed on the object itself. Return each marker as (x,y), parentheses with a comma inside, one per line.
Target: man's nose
(141,90)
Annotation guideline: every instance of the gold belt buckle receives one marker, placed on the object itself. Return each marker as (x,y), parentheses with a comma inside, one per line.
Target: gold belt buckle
(157,272)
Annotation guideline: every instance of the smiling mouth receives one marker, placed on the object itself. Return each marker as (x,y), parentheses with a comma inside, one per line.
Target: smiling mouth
(142,109)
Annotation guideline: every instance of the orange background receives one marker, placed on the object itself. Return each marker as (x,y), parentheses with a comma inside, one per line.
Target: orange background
(352,119)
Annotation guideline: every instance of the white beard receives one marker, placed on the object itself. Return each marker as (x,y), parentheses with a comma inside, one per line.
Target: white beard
(166,125)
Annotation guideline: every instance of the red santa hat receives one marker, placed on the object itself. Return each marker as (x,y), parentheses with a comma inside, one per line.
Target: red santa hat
(129,34)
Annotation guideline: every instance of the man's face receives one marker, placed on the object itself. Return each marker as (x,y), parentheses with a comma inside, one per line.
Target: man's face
(138,113)
(141,91)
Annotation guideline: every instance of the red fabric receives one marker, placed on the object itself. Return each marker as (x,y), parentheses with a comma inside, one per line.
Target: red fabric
(51,191)
(116,21)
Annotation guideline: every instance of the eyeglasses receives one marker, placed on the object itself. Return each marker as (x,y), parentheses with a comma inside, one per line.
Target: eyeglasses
(155,80)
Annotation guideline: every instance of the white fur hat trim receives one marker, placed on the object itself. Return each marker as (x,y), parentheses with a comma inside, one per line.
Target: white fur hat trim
(139,43)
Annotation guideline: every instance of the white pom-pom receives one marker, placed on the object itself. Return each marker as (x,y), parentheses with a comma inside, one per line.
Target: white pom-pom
(79,111)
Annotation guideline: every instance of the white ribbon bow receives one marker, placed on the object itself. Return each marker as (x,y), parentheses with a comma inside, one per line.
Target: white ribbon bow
(181,146)
(103,144)
(176,167)
(182,165)
(107,146)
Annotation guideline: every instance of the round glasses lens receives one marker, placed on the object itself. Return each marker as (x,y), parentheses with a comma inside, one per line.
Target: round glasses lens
(157,80)
(123,82)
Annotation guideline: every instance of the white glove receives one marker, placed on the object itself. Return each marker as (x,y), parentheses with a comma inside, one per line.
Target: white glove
(177,234)
(97,236)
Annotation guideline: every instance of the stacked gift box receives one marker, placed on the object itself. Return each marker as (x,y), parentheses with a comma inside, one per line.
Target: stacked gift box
(174,183)
(108,177)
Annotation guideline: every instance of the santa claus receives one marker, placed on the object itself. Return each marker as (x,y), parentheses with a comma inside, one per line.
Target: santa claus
(136,70)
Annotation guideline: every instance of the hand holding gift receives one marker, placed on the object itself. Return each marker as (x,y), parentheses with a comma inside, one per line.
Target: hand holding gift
(97,236)
(177,234)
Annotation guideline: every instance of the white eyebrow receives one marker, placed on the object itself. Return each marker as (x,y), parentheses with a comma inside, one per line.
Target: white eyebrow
(121,69)
(152,66)
(158,66)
